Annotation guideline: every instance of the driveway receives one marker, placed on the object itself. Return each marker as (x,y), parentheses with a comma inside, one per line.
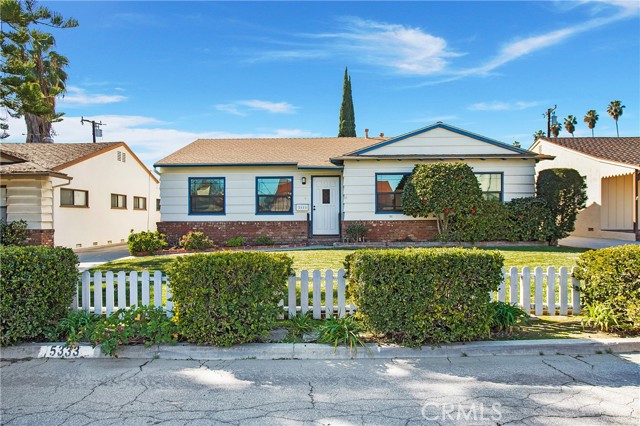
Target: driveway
(488,390)
(593,243)
(94,256)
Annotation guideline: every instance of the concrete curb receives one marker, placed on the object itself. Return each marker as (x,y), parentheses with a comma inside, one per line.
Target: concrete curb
(271,351)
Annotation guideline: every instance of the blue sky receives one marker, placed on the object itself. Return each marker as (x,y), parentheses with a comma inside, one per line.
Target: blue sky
(162,74)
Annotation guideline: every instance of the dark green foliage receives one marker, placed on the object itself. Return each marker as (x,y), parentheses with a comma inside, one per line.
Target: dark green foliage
(77,326)
(564,192)
(505,316)
(236,242)
(489,221)
(356,231)
(347,126)
(146,242)
(196,240)
(264,241)
(425,295)
(446,190)
(144,325)
(13,233)
(300,325)
(345,331)
(226,298)
(531,218)
(37,285)
(611,286)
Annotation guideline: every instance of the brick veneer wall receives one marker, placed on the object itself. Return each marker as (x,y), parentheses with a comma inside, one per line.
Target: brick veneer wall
(396,230)
(40,237)
(282,232)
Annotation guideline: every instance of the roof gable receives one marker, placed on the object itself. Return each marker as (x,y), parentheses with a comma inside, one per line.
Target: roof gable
(624,150)
(440,139)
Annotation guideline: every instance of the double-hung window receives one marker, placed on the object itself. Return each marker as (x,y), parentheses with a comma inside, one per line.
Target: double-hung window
(389,189)
(491,185)
(207,195)
(274,195)
(73,198)
(139,203)
(118,201)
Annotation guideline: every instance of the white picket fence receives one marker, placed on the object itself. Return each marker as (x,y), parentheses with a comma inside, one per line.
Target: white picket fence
(535,291)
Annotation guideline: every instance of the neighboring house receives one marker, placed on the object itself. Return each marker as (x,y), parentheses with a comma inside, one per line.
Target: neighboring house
(77,194)
(300,190)
(612,170)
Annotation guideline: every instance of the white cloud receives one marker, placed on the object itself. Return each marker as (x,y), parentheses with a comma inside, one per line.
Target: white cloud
(502,106)
(242,108)
(79,96)
(151,139)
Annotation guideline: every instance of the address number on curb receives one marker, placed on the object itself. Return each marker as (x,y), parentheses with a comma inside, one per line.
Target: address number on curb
(60,351)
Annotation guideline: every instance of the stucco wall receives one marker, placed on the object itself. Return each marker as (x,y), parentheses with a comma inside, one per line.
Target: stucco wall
(99,224)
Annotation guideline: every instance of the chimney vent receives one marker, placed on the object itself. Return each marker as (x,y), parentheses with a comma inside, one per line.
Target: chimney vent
(382,135)
(366,133)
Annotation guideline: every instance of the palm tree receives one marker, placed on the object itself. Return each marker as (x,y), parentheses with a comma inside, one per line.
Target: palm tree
(615,111)
(570,124)
(591,117)
(537,135)
(555,129)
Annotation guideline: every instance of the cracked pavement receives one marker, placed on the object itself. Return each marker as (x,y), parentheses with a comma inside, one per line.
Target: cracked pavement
(492,390)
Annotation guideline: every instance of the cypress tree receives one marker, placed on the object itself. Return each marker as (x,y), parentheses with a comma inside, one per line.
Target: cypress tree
(347,126)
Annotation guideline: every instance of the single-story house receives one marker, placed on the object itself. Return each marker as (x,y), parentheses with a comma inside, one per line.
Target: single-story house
(611,166)
(77,194)
(298,190)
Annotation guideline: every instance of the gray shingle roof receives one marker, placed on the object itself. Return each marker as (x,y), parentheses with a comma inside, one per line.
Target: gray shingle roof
(54,156)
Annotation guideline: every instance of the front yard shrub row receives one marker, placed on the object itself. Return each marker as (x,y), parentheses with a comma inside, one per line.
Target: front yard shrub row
(13,233)
(146,242)
(414,296)
(226,298)
(611,287)
(196,240)
(37,285)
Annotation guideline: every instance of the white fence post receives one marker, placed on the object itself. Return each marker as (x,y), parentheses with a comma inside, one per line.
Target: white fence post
(539,276)
(551,290)
(169,307)
(109,293)
(502,292)
(317,294)
(145,288)
(86,291)
(97,293)
(157,289)
(133,288)
(292,307)
(341,294)
(513,285)
(122,290)
(564,291)
(525,295)
(328,293)
(575,292)
(304,291)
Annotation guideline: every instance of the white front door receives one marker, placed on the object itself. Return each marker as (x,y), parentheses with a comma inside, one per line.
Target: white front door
(326,205)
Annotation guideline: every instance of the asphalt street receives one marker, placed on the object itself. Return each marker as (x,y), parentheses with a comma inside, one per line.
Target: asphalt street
(544,389)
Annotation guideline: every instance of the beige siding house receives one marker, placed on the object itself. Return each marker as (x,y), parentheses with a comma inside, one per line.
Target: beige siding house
(77,195)
(611,167)
(234,187)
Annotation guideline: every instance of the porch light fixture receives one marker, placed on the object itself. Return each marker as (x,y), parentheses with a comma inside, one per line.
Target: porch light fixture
(304,180)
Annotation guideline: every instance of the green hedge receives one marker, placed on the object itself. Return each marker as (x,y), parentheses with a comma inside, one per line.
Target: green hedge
(611,286)
(229,297)
(431,295)
(37,285)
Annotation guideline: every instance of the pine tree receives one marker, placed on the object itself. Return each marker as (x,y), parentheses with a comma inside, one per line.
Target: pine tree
(347,115)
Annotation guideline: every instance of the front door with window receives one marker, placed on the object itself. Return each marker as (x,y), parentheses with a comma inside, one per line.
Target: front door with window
(326,205)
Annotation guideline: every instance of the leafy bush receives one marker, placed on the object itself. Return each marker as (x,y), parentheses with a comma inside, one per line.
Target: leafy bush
(236,242)
(505,316)
(264,241)
(356,231)
(77,326)
(13,233)
(300,325)
(446,190)
(418,295)
(226,298)
(196,240)
(565,193)
(489,221)
(346,331)
(532,220)
(146,241)
(611,286)
(37,285)
(144,325)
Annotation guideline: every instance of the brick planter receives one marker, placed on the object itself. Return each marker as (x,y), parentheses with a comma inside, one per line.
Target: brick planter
(40,237)
(396,230)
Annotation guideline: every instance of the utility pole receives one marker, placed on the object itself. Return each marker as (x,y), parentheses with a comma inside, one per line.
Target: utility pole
(550,119)
(95,127)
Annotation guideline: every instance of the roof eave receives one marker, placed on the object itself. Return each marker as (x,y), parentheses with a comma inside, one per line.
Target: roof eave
(36,174)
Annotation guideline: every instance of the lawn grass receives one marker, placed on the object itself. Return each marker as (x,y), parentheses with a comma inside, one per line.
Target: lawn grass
(334,258)
(553,327)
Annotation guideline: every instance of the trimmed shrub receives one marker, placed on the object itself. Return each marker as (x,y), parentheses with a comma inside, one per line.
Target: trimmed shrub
(425,295)
(532,220)
(37,285)
(356,231)
(13,233)
(489,221)
(146,241)
(236,242)
(196,240)
(228,297)
(264,241)
(611,287)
